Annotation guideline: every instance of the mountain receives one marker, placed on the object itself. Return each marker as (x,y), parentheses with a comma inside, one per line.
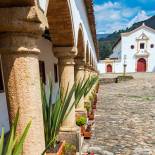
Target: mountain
(99,36)
(106,43)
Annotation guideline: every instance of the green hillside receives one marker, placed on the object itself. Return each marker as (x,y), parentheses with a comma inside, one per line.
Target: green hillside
(106,44)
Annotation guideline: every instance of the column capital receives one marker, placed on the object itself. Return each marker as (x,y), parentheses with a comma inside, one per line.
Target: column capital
(80,64)
(66,61)
(65,52)
(87,67)
(20,20)
(19,29)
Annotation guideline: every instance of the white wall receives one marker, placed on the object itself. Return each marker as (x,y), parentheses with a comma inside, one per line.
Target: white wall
(79,16)
(118,47)
(46,55)
(101,67)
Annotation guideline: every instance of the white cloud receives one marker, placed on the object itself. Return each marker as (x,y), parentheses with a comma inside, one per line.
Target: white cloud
(142,15)
(108,5)
(113,16)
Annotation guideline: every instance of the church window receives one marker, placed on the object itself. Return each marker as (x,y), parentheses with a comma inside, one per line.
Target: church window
(142,45)
(132,46)
(152,45)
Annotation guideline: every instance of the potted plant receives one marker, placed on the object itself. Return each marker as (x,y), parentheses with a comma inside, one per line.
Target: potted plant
(95,97)
(54,114)
(88,107)
(14,143)
(83,88)
(97,87)
(69,149)
(94,106)
(91,115)
(57,150)
(81,122)
(91,98)
(87,133)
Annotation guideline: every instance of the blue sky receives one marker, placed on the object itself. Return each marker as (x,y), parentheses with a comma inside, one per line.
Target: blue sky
(113,15)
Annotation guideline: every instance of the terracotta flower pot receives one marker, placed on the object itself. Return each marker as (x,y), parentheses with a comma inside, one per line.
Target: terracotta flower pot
(91,117)
(94,106)
(88,114)
(82,130)
(71,153)
(59,151)
(87,134)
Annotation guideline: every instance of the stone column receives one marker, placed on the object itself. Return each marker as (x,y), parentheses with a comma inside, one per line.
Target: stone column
(87,75)
(66,55)
(19,56)
(80,75)
(66,64)
(87,72)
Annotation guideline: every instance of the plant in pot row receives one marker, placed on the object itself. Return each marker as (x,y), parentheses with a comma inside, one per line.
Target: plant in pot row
(97,87)
(90,112)
(81,122)
(85,130)
(54,113)
(91,116)
(88,133)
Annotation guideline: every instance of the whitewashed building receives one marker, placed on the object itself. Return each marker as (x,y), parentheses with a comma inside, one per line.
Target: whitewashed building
(133,52)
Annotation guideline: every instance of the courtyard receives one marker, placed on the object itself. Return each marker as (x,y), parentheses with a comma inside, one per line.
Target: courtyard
(125,118)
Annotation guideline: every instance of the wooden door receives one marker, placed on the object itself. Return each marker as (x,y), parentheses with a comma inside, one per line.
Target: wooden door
(109,68)
(141,65)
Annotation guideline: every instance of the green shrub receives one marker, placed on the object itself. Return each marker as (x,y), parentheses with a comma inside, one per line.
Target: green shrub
(81,121)
(69,148)
(91,98)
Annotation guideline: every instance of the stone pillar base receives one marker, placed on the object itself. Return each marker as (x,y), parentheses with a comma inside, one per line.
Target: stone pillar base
(71,137)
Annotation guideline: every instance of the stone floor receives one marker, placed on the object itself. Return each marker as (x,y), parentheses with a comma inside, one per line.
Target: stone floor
(125,119)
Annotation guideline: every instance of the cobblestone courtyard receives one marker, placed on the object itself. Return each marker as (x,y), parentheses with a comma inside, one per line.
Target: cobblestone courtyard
(125,118)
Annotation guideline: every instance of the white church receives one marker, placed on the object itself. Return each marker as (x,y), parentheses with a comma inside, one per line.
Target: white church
(133,52)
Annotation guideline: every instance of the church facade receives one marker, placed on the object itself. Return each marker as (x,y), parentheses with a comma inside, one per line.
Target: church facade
(133,52)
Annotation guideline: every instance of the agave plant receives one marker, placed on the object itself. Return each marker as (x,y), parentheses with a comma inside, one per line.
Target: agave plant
(14,145)
(83,88)
(54,113)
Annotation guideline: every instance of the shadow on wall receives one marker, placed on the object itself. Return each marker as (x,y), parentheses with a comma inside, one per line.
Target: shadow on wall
(4,118)
(153,69)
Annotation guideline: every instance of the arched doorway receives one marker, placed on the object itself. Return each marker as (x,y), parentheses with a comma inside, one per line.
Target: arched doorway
(109,68)
(141,65)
